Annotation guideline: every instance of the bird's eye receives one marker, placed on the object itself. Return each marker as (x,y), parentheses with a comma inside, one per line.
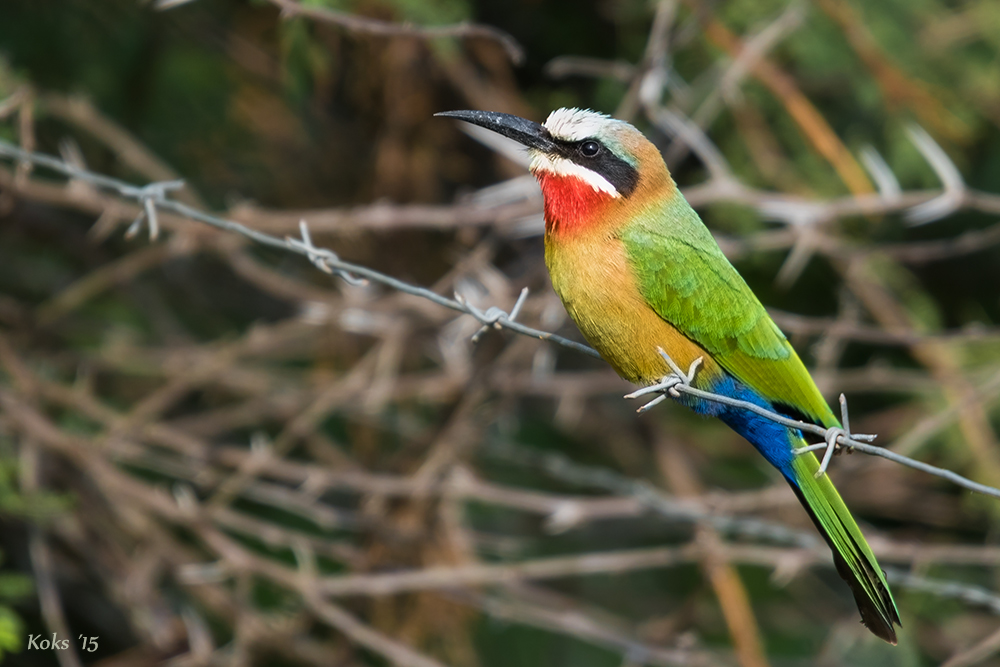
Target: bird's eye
(590,148)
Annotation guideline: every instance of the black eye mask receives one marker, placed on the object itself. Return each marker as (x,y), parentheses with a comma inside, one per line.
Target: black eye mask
(615,170)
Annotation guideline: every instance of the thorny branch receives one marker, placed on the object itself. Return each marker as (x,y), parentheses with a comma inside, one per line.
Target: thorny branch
(153,197)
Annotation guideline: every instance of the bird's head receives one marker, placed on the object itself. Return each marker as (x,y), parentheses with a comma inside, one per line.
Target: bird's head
(588,164)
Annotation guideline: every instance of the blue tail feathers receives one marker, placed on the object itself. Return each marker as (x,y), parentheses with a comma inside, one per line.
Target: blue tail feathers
(770,438)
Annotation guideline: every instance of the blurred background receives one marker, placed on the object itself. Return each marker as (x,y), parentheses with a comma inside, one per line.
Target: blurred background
(213,454)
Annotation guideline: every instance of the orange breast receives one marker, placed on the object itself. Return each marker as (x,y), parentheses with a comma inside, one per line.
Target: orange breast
(590,273)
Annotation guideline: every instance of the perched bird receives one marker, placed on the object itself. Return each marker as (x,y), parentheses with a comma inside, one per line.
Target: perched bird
(638,271)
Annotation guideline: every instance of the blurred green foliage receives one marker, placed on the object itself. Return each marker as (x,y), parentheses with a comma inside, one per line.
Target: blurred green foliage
(15,588)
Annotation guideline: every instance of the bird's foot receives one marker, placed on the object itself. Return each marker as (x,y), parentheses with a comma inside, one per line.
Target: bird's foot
(836,438)
(668,385)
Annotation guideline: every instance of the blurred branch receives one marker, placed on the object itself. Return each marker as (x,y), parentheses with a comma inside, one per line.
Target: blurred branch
(947,589)
(986,648)
(80,112)
(567,470)
(95,282)
(863,278)
(676,468)
(13,102)
(368,26)
(562,67)
(812,123)
(446,577)
(954,187)
(49,599)
(726,88)
(652,74)
(803,324)
(364,635)
(577,623)
(899,88)
(930,425)
(309,480)
(153,197)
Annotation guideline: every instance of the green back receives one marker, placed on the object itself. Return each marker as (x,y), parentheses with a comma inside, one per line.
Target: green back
(686,279)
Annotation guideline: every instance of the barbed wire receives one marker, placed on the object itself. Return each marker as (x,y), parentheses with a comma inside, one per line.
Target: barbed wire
(153,196)
(679,382)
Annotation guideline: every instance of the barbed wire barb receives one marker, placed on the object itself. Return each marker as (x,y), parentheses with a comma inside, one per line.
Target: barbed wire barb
(494,315)
(321,258)
(148,196)
(668,385)
(833,437)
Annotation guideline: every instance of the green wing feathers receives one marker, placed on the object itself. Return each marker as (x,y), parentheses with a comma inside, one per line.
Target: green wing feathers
(686,279)
(853,557)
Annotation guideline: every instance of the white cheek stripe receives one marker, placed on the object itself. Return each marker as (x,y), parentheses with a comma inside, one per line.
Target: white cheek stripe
(563,167)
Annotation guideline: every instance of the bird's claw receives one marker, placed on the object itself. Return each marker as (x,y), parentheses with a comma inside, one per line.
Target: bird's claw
(669,383)
(666,386)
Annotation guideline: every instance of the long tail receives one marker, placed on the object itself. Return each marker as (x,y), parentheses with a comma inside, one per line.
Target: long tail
(851,554)
(853,557)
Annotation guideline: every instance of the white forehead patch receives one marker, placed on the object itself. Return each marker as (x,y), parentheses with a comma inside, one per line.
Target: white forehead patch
(560,166)
(575,124)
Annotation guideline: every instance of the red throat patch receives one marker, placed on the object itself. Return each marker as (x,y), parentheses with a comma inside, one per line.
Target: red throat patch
(571,204)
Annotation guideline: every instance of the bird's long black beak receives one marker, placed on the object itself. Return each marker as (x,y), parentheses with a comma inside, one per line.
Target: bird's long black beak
(523,131)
